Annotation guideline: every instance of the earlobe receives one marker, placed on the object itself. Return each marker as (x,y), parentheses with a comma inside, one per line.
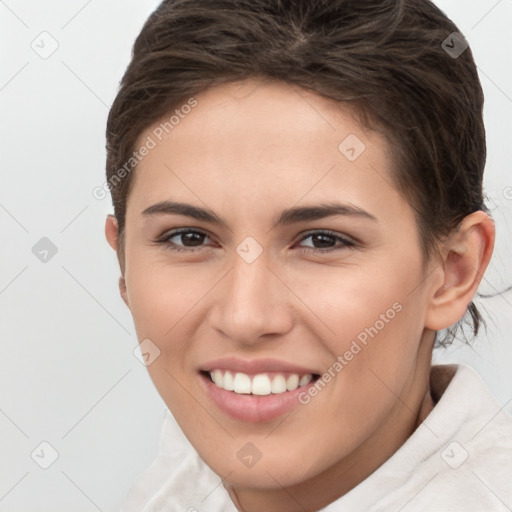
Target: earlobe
(123,291)
(465,260)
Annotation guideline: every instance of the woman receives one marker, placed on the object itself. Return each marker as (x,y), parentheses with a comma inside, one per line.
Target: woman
(298,205)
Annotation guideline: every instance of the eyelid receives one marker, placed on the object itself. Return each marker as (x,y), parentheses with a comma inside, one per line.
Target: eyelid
(341,236)
(163,239)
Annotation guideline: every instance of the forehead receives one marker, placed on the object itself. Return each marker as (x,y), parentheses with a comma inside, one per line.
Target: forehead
(263,139)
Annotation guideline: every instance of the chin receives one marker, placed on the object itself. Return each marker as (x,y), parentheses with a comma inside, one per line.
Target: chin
(273,471)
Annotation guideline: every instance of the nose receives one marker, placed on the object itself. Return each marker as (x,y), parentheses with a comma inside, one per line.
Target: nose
(252,303)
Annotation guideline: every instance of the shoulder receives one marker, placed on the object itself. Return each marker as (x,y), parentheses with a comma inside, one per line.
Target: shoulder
(458,459)
(469,463)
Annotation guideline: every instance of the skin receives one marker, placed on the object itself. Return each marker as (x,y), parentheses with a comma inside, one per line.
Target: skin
(247,151)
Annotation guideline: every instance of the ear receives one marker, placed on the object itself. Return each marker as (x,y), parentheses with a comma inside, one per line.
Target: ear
(464,260)
(111,233)
(111,227)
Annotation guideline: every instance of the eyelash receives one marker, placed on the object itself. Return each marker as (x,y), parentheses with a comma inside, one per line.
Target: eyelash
(346,243)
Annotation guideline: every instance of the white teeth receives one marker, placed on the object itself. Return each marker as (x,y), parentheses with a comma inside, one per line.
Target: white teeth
(292,382)
(242,384)
(305,379)
(217,378)
(261,384)
(278,384)
(228,381)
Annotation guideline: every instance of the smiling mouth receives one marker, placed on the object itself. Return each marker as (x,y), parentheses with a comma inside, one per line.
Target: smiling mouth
(261,384)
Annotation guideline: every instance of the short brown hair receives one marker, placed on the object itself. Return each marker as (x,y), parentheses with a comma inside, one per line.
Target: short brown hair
(388,58)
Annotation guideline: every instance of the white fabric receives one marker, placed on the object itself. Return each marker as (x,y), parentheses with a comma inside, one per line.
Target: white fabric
(430,471)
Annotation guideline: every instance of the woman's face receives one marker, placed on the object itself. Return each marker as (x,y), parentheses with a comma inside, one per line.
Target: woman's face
(302,261)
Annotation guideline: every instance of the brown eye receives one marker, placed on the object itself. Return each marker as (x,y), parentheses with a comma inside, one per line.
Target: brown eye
(184,240)
(325,241)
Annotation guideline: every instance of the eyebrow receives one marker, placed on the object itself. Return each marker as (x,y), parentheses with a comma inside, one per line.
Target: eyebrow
(287,217)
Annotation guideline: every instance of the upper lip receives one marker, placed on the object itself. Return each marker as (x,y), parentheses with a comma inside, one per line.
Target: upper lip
(254,366)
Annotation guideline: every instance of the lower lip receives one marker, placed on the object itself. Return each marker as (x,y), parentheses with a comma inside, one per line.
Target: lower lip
(253,408)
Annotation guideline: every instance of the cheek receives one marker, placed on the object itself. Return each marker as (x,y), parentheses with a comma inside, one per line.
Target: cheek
(354,299)
(162,297)
(375,322)
(161,303)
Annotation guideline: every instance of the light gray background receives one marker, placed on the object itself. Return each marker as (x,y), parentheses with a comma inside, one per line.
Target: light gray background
(68,373)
